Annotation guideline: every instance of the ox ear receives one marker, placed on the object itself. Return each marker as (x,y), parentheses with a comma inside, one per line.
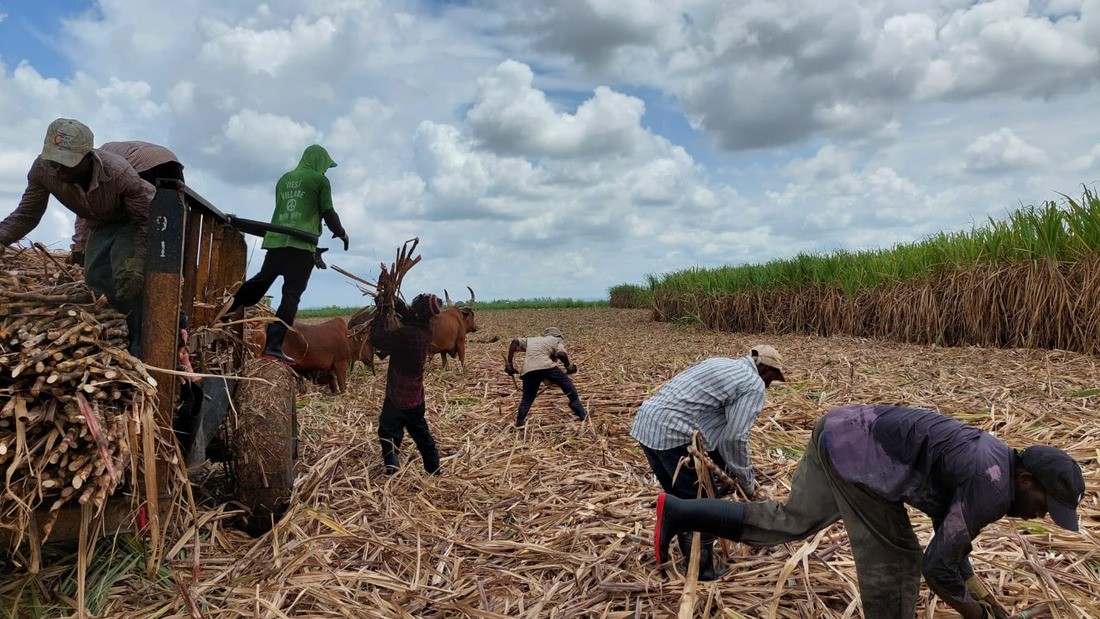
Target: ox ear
(466,311)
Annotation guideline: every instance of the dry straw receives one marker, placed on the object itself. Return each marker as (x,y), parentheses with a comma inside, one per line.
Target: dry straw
(555,520)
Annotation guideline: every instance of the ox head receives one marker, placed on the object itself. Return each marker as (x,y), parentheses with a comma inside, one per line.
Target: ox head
(467,310)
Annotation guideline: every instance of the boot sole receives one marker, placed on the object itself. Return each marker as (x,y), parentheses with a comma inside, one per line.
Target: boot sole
(657,529)
(279,359)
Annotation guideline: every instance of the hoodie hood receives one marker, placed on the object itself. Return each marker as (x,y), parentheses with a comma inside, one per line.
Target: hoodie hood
(316,158)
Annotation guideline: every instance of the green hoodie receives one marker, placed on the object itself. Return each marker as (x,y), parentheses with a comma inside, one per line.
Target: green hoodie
(301,195)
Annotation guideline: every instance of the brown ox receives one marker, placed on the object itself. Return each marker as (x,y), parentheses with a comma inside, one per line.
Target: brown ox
(320,351)
(359,339)
(449,329)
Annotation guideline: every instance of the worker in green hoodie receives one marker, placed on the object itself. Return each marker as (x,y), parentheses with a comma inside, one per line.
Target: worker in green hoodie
(303,197)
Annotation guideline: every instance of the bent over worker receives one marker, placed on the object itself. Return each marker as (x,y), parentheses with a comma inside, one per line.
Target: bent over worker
(862,465)
(104,190)
(721,398)
(150,161)
(540,358)
(303,197)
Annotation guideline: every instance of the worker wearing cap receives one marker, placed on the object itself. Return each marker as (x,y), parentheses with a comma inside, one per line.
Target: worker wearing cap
(107,192)
(863,464)
(540,363)
(721,397)
(303,198)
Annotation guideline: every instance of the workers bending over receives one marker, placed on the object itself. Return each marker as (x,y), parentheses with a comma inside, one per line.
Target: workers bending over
(540,358)
(720,397)
(104,190)
(150,161)
(863,464)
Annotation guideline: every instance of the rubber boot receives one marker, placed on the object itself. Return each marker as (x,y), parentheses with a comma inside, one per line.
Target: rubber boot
(715,517)
(133,328)
(276,332)
(392,462)
(706,556)
(578,409)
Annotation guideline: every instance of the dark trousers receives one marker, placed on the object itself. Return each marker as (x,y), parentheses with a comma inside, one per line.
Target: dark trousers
(108,248)
(294,265)
(683,484)
(886,551)
(392,424)
(531,382)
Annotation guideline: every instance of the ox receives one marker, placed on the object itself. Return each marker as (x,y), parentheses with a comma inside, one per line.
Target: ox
(321,351)
(359,339)
(449,329)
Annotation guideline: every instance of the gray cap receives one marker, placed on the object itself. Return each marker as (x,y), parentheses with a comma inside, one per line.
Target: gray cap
(553,332)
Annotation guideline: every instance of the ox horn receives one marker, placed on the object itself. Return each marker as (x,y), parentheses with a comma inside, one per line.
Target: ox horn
(447,297)
(471,295)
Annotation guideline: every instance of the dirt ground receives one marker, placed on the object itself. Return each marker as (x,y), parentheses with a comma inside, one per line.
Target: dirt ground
(555,520)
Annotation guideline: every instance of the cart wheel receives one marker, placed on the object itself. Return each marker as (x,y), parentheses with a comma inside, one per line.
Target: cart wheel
(264,442)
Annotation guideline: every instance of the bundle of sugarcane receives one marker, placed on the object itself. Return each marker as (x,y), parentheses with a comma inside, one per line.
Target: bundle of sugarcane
(388,287)
(71,397)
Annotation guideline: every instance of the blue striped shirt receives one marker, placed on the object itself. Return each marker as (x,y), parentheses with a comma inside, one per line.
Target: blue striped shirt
(720,397)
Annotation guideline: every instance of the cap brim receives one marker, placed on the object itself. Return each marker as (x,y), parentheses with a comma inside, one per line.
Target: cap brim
(1062,515)
(332,165)
(67,158)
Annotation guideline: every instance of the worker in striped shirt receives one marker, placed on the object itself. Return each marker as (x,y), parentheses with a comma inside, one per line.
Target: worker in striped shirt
(720,397)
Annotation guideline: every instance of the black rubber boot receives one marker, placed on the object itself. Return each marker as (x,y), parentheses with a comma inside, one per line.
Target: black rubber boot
(276,332)
(714,517)
(392,462)
(706,556)
(133,329)
(578,409)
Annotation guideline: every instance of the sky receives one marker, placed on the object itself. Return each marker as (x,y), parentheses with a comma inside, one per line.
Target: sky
(556,149)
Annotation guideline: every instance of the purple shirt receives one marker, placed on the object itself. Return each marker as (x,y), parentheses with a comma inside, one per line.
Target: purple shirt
(408,348)
(959,475)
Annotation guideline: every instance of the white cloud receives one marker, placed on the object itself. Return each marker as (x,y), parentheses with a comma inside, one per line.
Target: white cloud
(1001,151)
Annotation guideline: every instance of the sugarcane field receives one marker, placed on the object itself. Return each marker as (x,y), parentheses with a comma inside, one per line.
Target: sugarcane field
(290,505)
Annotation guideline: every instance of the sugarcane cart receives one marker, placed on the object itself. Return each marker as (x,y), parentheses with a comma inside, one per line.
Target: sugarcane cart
(229,406)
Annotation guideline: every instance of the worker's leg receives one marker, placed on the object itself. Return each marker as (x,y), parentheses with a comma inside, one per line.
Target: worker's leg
(256,287)
(391,431)
(422,436)
(886,551)
(810,505)
(531,382)
(297,266)
(108,248)
(557,376)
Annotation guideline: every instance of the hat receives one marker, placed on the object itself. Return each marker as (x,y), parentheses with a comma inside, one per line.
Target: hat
(553,332)
(1061,479)
(763,354)
(67,141)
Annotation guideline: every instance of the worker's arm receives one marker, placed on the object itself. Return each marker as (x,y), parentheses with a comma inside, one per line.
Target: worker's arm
(741,412)
(26,216)
(946,565)
(328,213)
(513,348)
(563,356)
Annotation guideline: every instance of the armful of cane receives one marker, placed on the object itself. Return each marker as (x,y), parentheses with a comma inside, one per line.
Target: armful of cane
(980,593)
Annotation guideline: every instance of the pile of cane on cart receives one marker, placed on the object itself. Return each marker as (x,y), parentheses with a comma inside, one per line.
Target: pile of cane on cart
(72,399)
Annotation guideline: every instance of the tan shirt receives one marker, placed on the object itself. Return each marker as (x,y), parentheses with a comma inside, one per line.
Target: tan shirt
(538,351)
(142,155)
(115,193)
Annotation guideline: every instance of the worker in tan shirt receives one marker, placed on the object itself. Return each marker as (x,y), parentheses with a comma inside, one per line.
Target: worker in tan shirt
(106,191)
(540,363)
(150,161)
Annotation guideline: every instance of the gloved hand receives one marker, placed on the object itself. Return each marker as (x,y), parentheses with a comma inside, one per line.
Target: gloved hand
(76,257)
(318,260)
(979,592)
(130,282)
(510,370)
(572,369)
(343,237)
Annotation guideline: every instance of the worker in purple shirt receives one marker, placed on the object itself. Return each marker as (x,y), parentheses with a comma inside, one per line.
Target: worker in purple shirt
(863,464)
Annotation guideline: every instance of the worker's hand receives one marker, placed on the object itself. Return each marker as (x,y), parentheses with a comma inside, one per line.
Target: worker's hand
(318,260)
(985,598)
(343,237)
(76,257)
(572,369)
(130,282)
(510,370)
